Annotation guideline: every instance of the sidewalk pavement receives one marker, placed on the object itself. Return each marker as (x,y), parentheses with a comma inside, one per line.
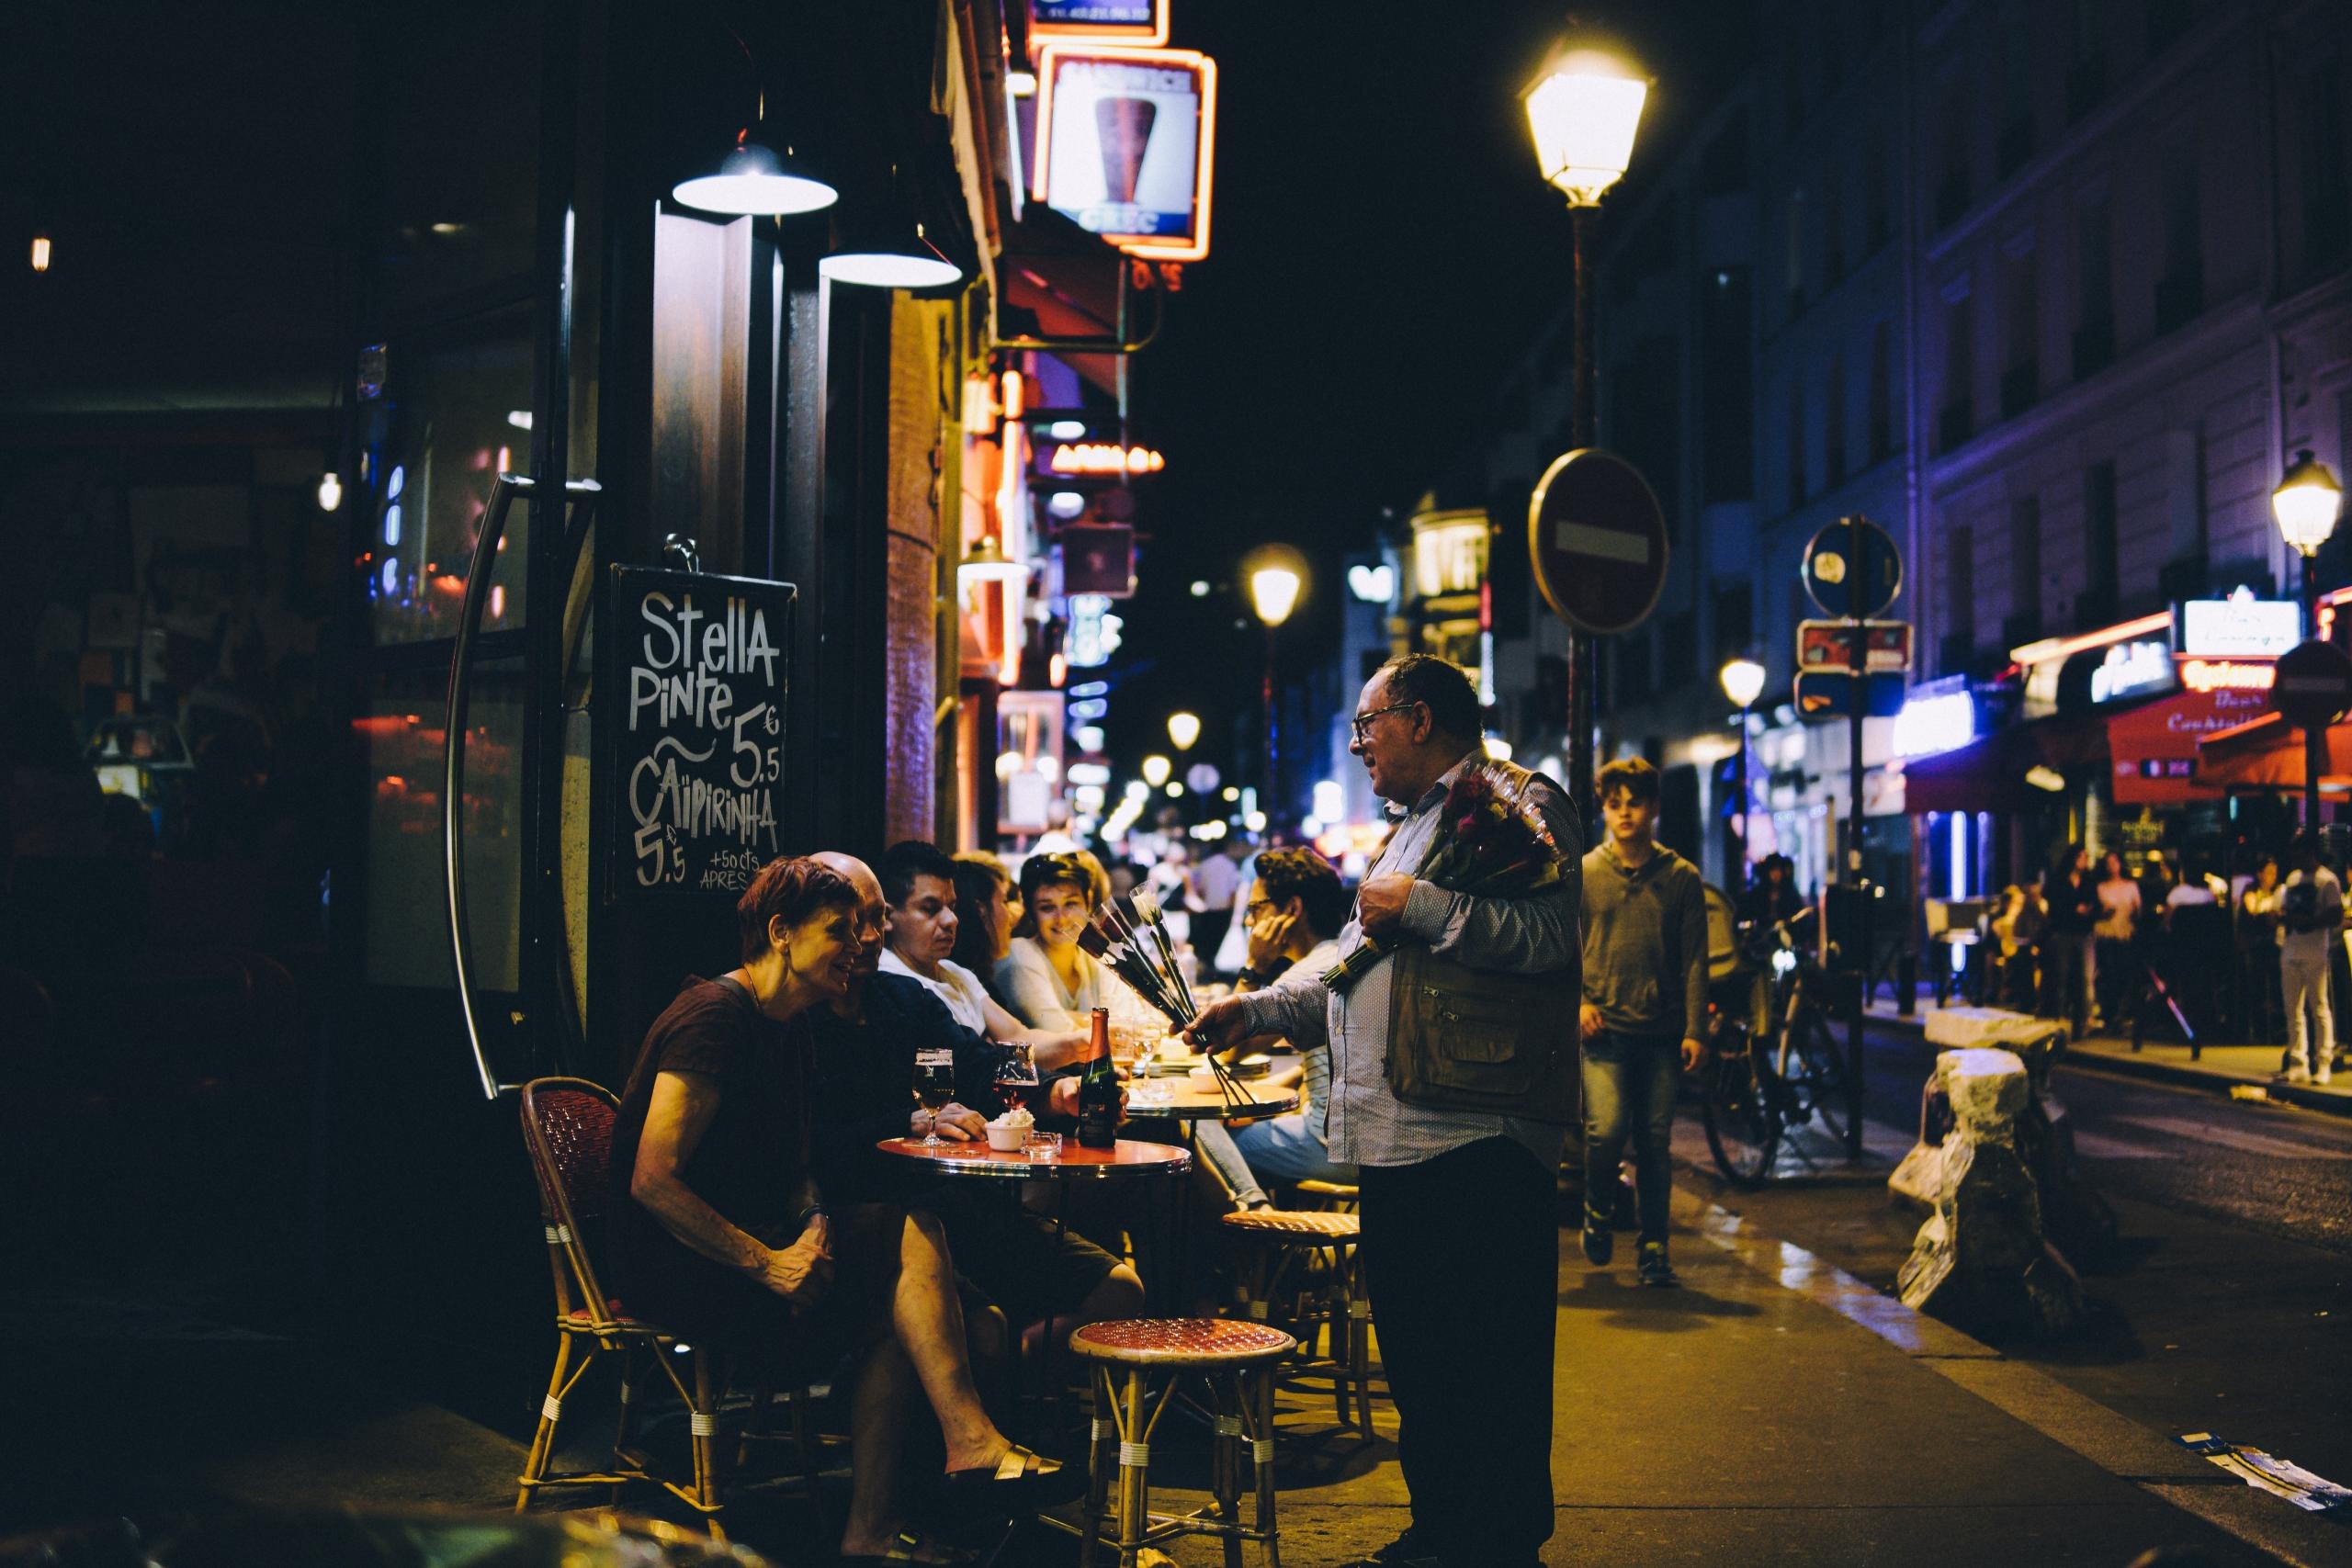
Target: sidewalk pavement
(1773,1408)
(2219,1067)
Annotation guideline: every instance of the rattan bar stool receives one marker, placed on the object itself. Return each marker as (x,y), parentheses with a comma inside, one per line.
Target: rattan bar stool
(1236,1361)
(1278,1240)
(1337,1196)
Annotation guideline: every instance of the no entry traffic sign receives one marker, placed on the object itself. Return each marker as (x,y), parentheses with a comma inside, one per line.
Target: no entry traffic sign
(1598,540)
(2312,685)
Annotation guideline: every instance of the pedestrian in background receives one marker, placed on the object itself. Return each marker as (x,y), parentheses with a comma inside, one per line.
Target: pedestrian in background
(2070,896)
(2118,966)
(1216,881)
(1644,1003)
(2310,912)
(2258,936)
(2017,930)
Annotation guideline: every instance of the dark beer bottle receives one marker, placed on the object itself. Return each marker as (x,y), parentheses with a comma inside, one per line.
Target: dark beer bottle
(1098,1091)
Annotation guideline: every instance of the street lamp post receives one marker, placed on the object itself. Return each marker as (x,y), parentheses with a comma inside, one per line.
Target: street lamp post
(1583,109)
(1743,683)
(1273,593)
(2306,503)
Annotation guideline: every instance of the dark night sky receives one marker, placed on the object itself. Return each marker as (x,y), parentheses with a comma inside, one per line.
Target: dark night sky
(1383,249)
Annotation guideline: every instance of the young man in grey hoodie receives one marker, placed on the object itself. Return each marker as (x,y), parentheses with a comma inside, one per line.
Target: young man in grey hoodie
(1644,1004)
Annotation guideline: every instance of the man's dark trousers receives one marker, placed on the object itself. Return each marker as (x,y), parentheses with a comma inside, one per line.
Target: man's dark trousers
(1462,1254)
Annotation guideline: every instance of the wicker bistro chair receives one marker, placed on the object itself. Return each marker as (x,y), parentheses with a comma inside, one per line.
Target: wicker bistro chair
(1278,1244)
(1236,1361)
(568,1127)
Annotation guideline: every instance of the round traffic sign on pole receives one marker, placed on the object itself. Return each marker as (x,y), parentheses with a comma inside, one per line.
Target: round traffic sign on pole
(1598,541)
(2312,687)
(1848,588)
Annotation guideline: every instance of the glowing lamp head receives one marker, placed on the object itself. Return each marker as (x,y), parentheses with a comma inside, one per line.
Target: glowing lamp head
(1155,769)
(1184,729)
(890,260)
(752,180)
(1274,591)
(1743,681)
(41,253)
(330,490)
(988,563)
(2307,503)
(1584,111)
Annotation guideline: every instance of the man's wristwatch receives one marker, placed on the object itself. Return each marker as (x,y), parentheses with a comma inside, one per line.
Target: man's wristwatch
(813,1212)
(1253,978)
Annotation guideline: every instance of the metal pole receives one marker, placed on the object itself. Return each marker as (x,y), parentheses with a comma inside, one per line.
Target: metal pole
(1581,424)
(1273,780)
(1738,879)
(2315,741)
(1858,658)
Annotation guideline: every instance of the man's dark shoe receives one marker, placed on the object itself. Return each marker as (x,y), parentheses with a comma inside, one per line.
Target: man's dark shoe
(1654,1269)
(1599,1247)
(1410,1549)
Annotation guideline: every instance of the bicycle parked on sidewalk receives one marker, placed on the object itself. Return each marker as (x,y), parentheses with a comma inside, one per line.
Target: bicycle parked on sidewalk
(1771,1065)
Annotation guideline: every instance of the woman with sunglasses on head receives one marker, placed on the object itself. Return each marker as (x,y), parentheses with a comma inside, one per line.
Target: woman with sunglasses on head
(1047,980)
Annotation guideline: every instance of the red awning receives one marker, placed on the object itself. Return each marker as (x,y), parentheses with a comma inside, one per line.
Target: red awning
(2154,750)
(1068,280)
(2267,754)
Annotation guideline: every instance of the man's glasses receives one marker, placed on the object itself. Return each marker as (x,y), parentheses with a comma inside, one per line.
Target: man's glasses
(1363,721)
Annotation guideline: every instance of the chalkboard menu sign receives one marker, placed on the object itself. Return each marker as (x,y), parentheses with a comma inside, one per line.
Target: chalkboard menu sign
(700,666)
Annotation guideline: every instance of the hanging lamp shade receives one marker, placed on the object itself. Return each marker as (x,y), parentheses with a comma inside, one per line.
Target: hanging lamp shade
(887,249)
(752,180)
(987,562)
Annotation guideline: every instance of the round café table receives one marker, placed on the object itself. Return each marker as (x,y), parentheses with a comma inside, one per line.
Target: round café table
(1126,1157)
(1188,1101)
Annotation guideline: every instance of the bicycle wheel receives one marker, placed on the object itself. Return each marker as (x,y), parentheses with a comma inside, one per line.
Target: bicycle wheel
(1743,1127)
(1816,1074)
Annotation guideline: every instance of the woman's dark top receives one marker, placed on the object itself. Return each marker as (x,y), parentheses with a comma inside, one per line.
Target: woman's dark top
(753,1165)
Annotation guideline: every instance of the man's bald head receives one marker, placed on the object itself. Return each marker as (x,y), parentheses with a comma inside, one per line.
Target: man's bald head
(873,911)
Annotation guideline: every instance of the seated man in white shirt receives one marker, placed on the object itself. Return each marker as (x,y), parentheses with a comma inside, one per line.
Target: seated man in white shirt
(919,884)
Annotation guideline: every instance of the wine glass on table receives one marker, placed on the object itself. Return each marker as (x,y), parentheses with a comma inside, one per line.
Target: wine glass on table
(1016,1072)
(934,1086)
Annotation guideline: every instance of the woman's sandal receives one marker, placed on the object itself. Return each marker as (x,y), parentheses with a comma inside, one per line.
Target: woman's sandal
(1020,1481)
(908,1548)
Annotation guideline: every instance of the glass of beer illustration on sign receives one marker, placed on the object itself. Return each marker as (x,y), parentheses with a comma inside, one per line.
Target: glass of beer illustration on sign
(1125,144)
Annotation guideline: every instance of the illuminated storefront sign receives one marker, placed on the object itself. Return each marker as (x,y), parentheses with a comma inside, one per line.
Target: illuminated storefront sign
(2130,670)
(1928,726)
(2227,674)
(1105,457)
(1126,144)
(1141,22)
(1449,553)
(2240,626)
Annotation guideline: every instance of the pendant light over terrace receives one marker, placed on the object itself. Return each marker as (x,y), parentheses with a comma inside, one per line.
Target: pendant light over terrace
(752,181)
(884,247)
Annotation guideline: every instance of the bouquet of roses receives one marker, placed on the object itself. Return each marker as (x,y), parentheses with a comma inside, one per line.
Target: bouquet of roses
(1491,842)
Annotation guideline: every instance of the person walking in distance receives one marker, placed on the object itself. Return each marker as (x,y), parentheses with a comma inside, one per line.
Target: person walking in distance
(2310,912)
(2071,894)
(1644,1005)
(1460,1238)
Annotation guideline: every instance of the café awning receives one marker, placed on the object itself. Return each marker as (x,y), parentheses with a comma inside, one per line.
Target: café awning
(2266,753)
